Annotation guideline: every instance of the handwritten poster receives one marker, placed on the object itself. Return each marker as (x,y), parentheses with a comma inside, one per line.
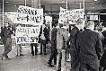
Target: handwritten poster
(28,15)
(27,34)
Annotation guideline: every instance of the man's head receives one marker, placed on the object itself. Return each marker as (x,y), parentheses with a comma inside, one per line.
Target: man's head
(80,23)
(6,24)
(89,25)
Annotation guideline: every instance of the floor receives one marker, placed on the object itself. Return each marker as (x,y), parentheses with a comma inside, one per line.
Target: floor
(26,62)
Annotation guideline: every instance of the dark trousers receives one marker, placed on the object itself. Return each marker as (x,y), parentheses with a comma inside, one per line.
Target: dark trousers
(53,56)
(7,47)
(32,48)
(92,66)
(43,44)
(75,62)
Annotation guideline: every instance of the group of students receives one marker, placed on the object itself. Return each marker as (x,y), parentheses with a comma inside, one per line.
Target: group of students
(85,47)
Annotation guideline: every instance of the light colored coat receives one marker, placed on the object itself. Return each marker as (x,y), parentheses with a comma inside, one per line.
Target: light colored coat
(62,37)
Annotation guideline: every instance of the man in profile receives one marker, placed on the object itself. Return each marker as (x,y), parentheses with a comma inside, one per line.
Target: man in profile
(53,55)
(75,30)
(90,48)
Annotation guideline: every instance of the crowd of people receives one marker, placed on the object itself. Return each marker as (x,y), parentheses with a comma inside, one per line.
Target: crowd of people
(86,45)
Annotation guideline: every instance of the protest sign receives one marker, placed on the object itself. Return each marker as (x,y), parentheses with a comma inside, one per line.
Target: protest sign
(63,13)
(27,34)
(76,14)
(70,15)
(28,15)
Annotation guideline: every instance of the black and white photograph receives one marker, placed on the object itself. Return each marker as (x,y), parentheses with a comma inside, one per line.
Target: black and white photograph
(52,35)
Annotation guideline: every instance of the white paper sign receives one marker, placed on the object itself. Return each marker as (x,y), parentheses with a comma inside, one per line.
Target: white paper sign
(93,17)
(71,15)
(74,15)
(28,15)
(27,34)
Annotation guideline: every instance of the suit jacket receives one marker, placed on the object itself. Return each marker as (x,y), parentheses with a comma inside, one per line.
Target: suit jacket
(6,34)
(44,30)
(103,60)
(53,40)
(73,36)
(89,46)
(46,33)
(104,41)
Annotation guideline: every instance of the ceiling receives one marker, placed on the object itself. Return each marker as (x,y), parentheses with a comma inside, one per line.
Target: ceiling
(55,4)
(53,1)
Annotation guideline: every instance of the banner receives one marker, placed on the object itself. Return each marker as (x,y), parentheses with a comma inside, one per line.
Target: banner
(63,14)
(76,14)
(70,15)
(27,34)
(28,15)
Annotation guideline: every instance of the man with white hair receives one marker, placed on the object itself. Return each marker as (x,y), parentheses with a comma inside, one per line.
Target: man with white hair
(90,48)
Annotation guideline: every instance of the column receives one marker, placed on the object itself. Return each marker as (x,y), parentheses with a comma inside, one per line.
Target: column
(3,12)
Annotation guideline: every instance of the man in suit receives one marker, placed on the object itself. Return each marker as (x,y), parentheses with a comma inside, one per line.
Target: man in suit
(75,30)
(53,47)
(44,30)
(90,48)
(43,42)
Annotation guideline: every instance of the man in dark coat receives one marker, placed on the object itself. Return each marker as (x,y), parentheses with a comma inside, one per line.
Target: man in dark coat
(75,30)
(7,41)
(75,65)
(53,47)
(45,31)
(1,34)
(104,40)
(90,48)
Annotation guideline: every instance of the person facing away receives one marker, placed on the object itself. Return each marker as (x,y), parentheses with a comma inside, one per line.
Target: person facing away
(53,47)
(75,30)
(104,34)
(7,41)
(62,37)
(103,58)
(90,48)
